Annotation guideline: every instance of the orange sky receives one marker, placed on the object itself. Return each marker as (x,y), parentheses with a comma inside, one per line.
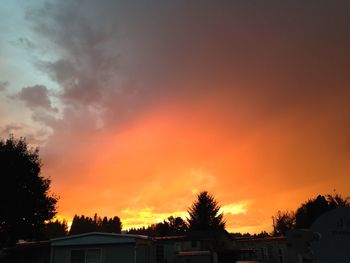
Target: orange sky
(154,166)
(137,108)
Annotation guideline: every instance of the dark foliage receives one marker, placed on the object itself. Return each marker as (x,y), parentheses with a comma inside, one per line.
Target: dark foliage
(25,202)
(177,226)
(204,213)
(262,234)
(309,211)
(174,226)
(84,224)
(55,229)
(259,235)
(282,222)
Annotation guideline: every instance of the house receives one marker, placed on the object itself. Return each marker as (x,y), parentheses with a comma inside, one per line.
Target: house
(204,246)
(101,247)
(266,249)
(167,248)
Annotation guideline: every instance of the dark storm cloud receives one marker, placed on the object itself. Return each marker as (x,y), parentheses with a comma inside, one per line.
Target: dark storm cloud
(124,56)
(35,97)
(114,60)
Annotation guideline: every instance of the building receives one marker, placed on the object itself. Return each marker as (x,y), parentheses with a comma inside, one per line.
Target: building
(205,246)
(101,247)
(266,249)
(23,252)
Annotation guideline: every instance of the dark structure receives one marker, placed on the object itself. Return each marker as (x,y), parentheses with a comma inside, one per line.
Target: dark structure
(28,252)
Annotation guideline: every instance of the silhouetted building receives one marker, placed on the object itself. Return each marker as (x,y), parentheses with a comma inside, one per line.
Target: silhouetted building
(27,252)
(98,247)
(266,249)
(204,246)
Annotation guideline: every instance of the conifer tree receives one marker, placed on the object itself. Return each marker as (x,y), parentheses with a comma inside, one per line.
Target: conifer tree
(204,213)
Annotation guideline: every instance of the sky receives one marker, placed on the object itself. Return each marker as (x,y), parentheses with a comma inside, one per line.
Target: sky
(137,106)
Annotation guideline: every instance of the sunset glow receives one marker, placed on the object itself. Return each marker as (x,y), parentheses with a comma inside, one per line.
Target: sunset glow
(137,108)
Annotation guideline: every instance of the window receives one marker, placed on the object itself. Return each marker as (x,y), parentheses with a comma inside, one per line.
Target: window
(264,253)
(85,256)
(280,253)
(269,252)
(77,256)
(93,256)
(160,254)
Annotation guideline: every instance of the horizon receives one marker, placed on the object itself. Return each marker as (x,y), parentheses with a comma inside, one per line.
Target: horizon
(137,107)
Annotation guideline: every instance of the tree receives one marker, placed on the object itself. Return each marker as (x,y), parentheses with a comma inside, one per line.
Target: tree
(309,211)
(25,201)
(204,213)
(177,226)
(282,222)
(114,225)
(84,224)
(55,229)
(337,200)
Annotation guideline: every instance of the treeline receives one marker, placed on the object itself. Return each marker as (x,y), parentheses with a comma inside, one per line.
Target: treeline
(174,226)
(56,228)
(203,215)
(259,235)
(303,217)
(83,224)
(23,183)
(307,213)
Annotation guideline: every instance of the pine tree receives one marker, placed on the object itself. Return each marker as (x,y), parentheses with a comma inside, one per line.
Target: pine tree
(204,213)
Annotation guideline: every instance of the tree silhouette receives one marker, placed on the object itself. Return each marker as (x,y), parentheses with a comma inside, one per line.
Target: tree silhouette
(337,200)
(114,225)
(204,213)
(282,222)
(309,211)
(177,226)
(25,202)
(55,229)
(84,224)
(174,226)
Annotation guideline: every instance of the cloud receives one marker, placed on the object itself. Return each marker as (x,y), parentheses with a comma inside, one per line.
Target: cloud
(178,51)
(146,216)
(8,129)
(235,208)
(24,43)
(36,97)
(3,85)
(162,100)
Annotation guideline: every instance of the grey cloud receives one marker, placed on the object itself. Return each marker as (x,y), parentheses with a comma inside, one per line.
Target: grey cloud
(19,129)
(45,118)
(11,128)
(3,85)
(34,140)
(25,43)
(36,97)
(125,57)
